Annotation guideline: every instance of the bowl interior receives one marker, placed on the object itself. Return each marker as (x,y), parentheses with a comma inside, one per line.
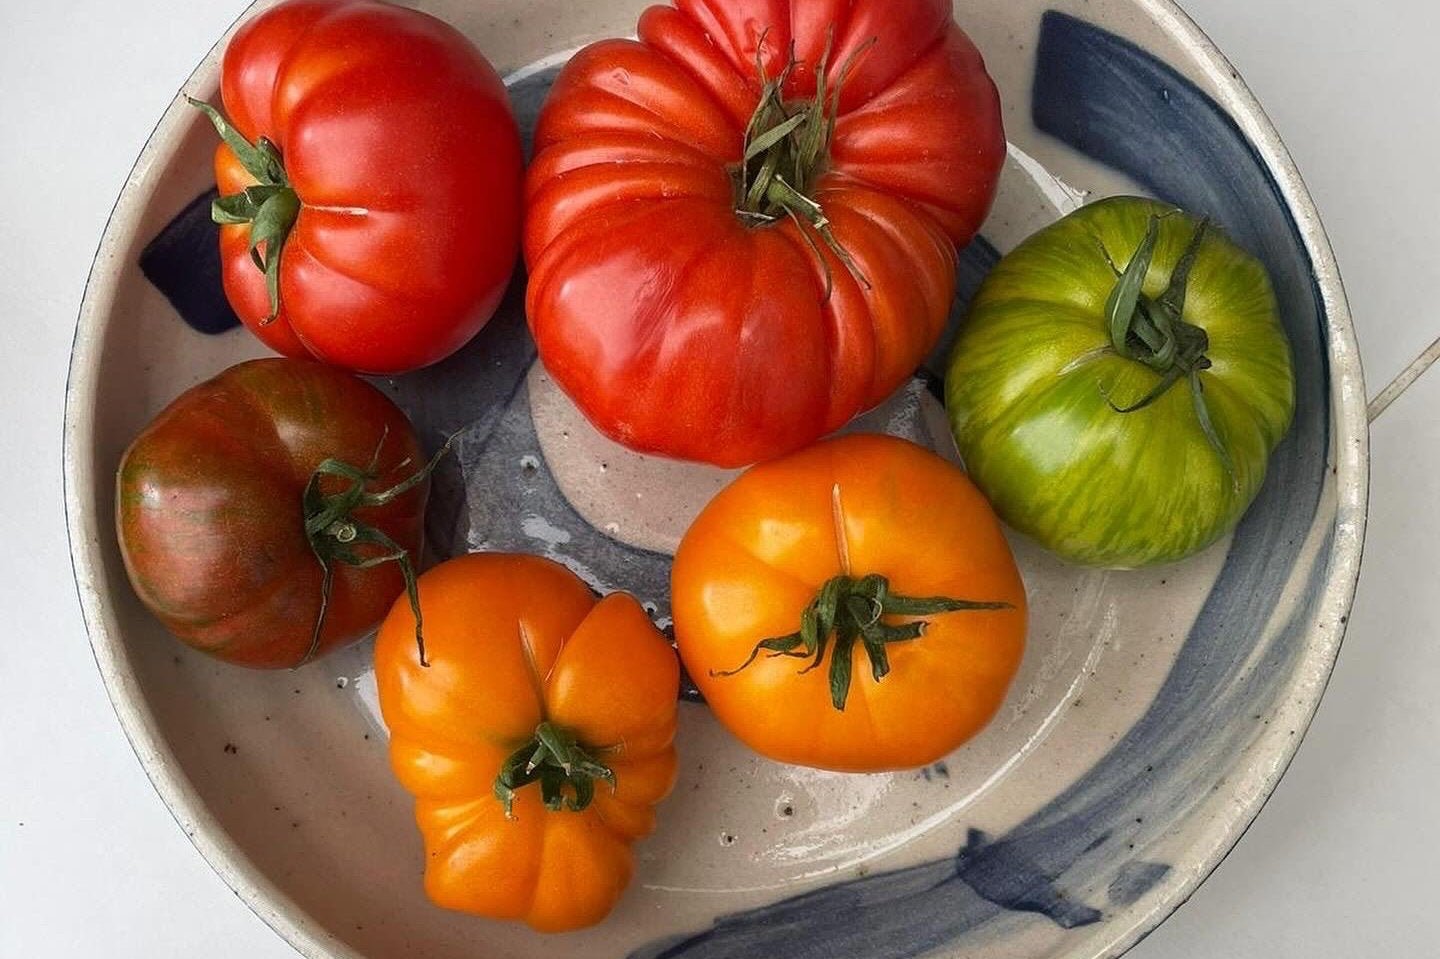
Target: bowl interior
(1154,709)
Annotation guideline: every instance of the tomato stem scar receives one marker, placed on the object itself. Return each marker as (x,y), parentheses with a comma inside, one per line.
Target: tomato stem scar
(842,538)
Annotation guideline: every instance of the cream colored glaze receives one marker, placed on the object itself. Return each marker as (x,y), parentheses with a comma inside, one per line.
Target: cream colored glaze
(304,820)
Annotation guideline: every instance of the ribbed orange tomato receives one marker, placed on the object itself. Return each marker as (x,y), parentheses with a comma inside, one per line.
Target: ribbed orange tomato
(853,606)
(536,743)
(252,512)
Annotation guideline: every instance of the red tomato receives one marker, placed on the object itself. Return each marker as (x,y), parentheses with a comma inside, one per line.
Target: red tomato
(392,184)
(726,260)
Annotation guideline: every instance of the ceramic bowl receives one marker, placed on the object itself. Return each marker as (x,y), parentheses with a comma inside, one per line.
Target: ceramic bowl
(1154,711)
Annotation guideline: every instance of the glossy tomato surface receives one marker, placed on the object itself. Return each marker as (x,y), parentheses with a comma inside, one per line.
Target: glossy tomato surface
(397,137)
(860,506)
(515,641)
(1034,384)
(209,510)
(684,329)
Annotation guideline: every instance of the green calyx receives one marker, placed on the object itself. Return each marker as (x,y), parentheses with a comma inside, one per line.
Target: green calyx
(786,149)
(270,207)
(336,536)
(848,611)
(1154,332)
(556,760)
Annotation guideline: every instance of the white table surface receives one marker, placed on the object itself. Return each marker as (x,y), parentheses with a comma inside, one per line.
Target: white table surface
(1341,862)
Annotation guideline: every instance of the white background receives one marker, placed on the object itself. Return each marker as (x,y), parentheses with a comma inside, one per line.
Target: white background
(1340,864)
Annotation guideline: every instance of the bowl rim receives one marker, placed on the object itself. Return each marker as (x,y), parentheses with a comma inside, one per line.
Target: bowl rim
(1271,752)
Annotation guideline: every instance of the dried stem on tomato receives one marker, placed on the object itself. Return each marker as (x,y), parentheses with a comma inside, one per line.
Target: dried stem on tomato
(270,207)
(556,760)
(1154,333)
(335,536)
(848,611)
(786,149)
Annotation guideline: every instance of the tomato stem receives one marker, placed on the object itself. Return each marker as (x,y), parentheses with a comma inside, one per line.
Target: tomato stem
(786,149)
(556,760)
(335,536)
(270,207)
(848,611)
(1153,332)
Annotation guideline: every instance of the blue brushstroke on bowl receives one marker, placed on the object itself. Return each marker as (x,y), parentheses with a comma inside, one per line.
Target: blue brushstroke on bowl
(1134,880)
(183,263)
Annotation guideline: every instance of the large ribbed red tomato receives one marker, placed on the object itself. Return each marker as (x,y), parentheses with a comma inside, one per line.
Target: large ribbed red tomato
(742,227)
(370,177)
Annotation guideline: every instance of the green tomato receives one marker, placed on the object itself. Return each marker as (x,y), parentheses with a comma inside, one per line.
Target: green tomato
(1122,423)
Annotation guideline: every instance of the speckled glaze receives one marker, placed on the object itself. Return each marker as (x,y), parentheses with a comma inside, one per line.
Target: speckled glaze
(1154,711)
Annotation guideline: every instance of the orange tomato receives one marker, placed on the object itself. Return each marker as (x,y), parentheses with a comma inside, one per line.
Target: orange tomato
(872,585)
(527,669)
